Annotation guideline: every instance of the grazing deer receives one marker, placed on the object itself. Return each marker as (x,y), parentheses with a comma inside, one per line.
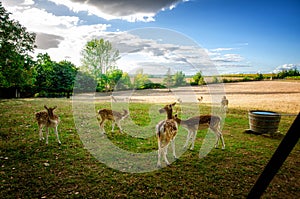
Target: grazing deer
(166,131)
(114,116)
(201,122)
(179,100)
(113,99)
(49,120)
(200,99)
(224,104)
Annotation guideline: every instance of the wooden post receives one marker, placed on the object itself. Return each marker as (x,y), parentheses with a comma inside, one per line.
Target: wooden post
(282,152)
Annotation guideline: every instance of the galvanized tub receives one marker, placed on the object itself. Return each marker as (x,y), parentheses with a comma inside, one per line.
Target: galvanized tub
(264,121)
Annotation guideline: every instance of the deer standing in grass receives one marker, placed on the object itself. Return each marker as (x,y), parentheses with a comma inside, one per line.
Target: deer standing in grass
(193,124)
(114,116)
(224,104)
(200,99)
(166,131)
(49,120)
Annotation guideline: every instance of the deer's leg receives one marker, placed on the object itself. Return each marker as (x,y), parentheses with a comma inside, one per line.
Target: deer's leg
(41,132)
(165,152)
(119,125)
(222,140)
(57,136)
(159,151)
(102,125)
(194,138)
(173,148)
(218,135)
(187,139)
(47,133)
(113,126)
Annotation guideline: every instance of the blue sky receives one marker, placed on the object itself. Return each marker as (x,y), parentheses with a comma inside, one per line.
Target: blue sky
(237,36)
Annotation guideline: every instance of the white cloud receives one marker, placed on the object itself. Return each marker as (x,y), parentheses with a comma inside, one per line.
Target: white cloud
(221,49)
(129,10)
(28,2)
(157,56)
(228,58)
(286,67)
(59,36)
(63,37)
(38,19)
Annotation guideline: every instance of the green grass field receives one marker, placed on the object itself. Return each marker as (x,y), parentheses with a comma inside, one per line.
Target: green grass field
(32,169)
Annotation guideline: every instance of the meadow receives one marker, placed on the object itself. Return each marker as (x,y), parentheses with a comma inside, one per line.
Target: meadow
(32,169)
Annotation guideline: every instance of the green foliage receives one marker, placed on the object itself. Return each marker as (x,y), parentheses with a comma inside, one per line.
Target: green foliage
(124,82)
(63,77)
(44,67)
(151,85)
(259,77)
(99,57)
(198,79)
(179,79)
(288,73)
(84,82)
(114,77)
(168,80)
(53,77)
(246,79)
(140,80)
(293,78)
(215,80)
(15,46)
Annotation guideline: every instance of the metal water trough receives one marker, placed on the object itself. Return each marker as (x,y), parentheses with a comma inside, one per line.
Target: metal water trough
(264,121)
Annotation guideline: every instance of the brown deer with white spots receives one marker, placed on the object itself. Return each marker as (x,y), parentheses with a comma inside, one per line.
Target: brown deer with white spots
(49,120)
(166,131)
(193,124)
(114,116)
(224,104)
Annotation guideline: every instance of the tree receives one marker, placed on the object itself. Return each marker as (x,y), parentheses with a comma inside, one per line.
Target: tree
(259,77)
(288,73)
(168,80)
(99,57)
(53,77)
(140,80)
(198,78)
(16,65)
(114,77)
(63,77)
(44,67)
(124,82)
(84,83)
(215,80)
(179,79)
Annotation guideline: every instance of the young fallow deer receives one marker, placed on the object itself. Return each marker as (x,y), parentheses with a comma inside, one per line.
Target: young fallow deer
(49,120)
(166,131)
(224,104)
(193,124)
(114,116)
(200,99)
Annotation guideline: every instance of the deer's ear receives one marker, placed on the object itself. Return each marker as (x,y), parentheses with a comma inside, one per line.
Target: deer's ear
(54,107)
(173,104)
(45,107)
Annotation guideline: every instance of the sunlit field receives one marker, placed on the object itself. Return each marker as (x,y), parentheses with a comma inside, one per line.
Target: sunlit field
(32,169)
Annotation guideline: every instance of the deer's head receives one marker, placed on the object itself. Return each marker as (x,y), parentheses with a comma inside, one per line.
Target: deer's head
(50,110)
(167,108)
